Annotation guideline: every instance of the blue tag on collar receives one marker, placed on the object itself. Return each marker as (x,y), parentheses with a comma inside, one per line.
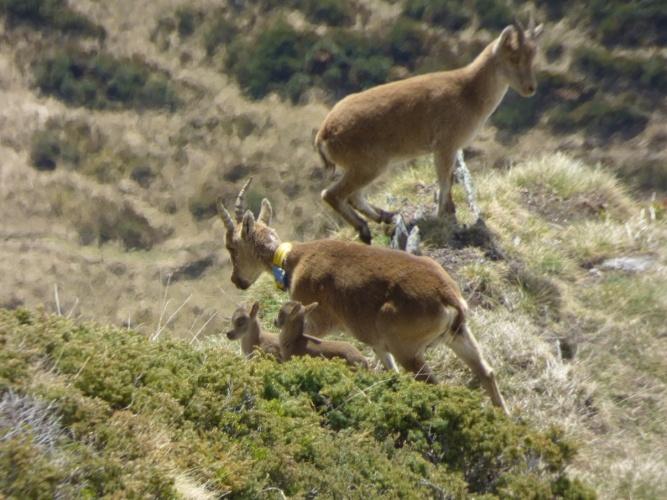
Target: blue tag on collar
(280,276)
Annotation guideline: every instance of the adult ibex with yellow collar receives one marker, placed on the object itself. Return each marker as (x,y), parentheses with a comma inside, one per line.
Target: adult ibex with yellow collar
(393,301)
(436,113)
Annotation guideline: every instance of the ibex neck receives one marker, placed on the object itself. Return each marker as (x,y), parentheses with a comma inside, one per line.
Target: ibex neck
(292,335)
(487,81)
(251,339)
(265,244)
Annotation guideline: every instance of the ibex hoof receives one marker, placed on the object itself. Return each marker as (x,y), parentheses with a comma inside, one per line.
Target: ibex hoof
(365,235)
(386,217)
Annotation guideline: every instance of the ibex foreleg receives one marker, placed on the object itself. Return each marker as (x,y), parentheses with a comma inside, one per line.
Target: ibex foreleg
(444,167)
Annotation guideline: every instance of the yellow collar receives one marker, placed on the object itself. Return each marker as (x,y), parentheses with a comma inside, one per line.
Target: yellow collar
(281,254)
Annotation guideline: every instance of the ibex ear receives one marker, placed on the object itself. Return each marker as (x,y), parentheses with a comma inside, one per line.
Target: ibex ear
(310,307)
(254,310)
(505,39)
(248,224)
(315,340)
(537,31)
(266,212)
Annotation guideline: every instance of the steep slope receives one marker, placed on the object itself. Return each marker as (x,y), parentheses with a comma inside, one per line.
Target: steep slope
(94,411)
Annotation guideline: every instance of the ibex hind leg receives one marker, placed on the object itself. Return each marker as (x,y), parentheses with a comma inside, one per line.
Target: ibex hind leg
(348,192)
(465,346)
(371,211)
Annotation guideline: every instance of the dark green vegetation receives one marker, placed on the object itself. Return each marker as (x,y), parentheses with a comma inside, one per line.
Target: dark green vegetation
(448,14)
(127,415)
(50,14)
(290,62)
(101,81)
(623,73)
(602,94)
(77,146)
(616,22)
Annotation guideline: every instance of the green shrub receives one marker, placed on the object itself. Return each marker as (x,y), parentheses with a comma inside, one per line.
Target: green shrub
(304,426)
(600,116)
(621,72)
(289,62)
(219,32)
(101,81)
(330,12)
(635,23)
(516,113)
(186,20)
(269,62)
(494,15)
(52,14)
(45,150)
(407,42)
(555,9)
(448,14)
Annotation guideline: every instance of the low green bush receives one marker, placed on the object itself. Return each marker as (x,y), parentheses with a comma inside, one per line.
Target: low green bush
(494,15)
(289,62)
(330,12)
(634,23)
(135,411)
(220,31)
(621,72)
(100,81)
(50,14)
(516,113)
(448,14)
(599,116)
(407,42)
(45,150)
(187,19)
(268,62)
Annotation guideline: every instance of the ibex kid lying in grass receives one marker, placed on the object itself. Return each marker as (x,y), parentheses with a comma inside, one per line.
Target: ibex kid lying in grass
(393,301)
(437,113)
(245,326)
(294,342)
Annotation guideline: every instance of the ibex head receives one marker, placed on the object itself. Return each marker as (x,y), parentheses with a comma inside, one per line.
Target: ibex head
(244,235)
(242,321)
(515,49)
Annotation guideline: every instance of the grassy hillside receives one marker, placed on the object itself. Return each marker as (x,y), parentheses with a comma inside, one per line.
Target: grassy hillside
(576,340)
(95,411)
(122,122)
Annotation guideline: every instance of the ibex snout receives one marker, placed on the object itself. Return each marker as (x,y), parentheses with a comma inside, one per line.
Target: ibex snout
(240,283)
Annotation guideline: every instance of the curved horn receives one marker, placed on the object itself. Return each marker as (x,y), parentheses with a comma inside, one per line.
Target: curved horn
(531,22)
(225,216)
(519,29)
(239,206)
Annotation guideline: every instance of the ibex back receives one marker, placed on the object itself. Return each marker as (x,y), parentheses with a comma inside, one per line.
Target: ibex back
(393,301)
(436,112)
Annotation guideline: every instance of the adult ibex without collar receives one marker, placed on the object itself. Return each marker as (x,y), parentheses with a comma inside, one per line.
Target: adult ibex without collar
(295,342)
(437,113)
(393,301)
